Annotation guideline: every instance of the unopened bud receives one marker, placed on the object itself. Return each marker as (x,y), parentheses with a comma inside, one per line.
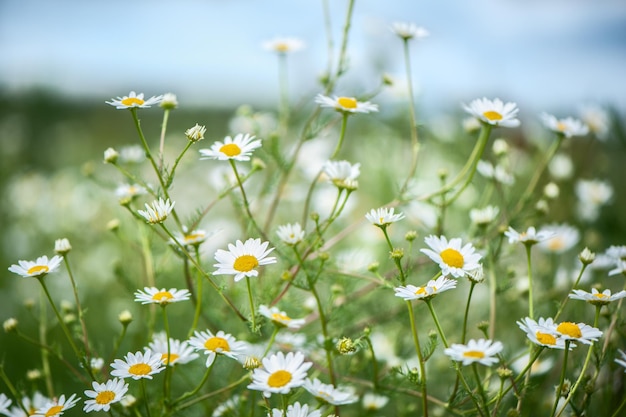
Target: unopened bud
(110,156)
(125,317)
(346,346)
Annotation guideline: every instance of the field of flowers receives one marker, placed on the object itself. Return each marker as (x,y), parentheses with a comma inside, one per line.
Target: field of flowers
(327,257)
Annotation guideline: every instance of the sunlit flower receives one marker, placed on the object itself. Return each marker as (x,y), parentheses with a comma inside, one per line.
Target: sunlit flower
(296,410)
(596,118)
(529,237)
(138,365)
(409,31)
(126,192)
(428,291)
(348,105)
(241,259)
(180,352)
(196,133)
(40,267)
(280,373)
(280,317)
(481,351)
(55,408)
(497,173)
(153,295)
(567,127)
(542,333)
(283,45)
(564,237)
(493,112)
(5,403)
(580,332)
(134,100)
(484,216)
(383,216)
(450,256)
(596,297)
(373,402)
(343,174)
(217,344)
(291,234)
(105,394)
(238,148)
(330,394)
(622,360)
(158,212)
(169,101)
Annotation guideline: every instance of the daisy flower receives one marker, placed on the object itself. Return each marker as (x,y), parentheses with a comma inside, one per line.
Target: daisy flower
(30,404)
(105,394)
(620,268)
(280,373)
(542,333)
(481,351)
(196,133)
(428,291)
(408,31)
(567,127)
(592,194)
(153,295)
(596,297)
(40,267)
(132,154)
(169,101)
(330,394)
(5,403)
(134,100)
(564,237)
(241,259)
(138,365)
(62,246)
(346,105)
(56,407)
(497,173)
(180,352)
(291,234)
(296,410)
(622,360)
(283,45)
(597,120)
(529,237)
(484,216)
(280,317)
(126,192)
(580,332)
(493,112)
(158,212)
(217,344)
(239,149)
(343,174)
(193,238)
(450,256)
(373,402)
(383,216)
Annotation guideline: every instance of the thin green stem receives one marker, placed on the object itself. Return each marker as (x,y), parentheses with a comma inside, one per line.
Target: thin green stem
(397,260)
(272,340)
(420,358)
(466,315)
(168,363)
(561,379)
(81,316)
(252,309)
(342,135)
(283,112)
(374,361)
(170,177)
(196,389)
(198,309)
(45,359)
(481,389)
(566,299)
(145,396)
(5,378)
(246,203)
(436,320)
(166,115)
(530,282)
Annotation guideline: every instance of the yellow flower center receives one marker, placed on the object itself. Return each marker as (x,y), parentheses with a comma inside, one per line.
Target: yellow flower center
(600,295)
(53,411)
(280,317)
(452,257)
(140,369)
(421,291)
(193,236)
(245,263)
(545,338)
(105,397)
(279,379)
(217,344)
(162,296)
(38,269)
(230,149)
(347,102)
(173,357)
(560,126)
(281,47)
(492,115)
(130,101)
(474,354)
(570,329)
(556,243)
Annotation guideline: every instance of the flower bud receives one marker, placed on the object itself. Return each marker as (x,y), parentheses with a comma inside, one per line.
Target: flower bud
(125,317)
(110,156)
(196,133)
(346,346)
(586,256)
(10,325)
(169,101)
(62,246)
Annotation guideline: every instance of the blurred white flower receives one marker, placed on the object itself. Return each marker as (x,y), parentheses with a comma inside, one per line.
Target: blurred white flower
(564,237)
(407,30)
(561,167)
(592,194)
(348,105)
(493,112)
(596,118)
(283,45)
(567,127)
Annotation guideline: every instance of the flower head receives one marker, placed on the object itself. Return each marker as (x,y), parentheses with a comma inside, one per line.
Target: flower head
(484,216)
(567,127)
(373,402)
(138,365)
(620,268)
(496,173)
(242,259)
(196,133)
(169,101)
(238,148)
(450,256)
(280,318)
(597,119)
(383,216)
(153,295)
(38,268)
(580,332)
(564,237)
(529,237)
(62,246)
(179,352)
(481,351)
(592,194)
(542,333)
(280,373)
(291,234)
(283,45)
(596,297)
(330,394)
(343,174)
(426,292)
(346,105)
(5,403)
(56,407)
(126,192)
(408,31)
(493,112)
(110,156)
(296,410)
(191,238)
(105,394)
(158,212)
(217,344)
(134,100)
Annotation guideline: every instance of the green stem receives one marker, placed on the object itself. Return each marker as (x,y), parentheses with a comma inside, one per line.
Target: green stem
(170,177)
(81,316)
(166,115)
(199,281)
(374,362)
(530,282)
(145,396)
(562,379)
(251,300)
(566,299)
(246,203)
(196,389)
(481,389)
(420,358)
(272,339)
(432,312)
(342,134)
(397,261)
(466,315)
(168,364)
(284,95)
(45,358)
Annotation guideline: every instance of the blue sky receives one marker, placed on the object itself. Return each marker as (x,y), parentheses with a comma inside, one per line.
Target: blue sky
(546,54)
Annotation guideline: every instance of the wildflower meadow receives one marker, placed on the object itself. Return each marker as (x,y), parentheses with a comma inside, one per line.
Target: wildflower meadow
(336,254)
